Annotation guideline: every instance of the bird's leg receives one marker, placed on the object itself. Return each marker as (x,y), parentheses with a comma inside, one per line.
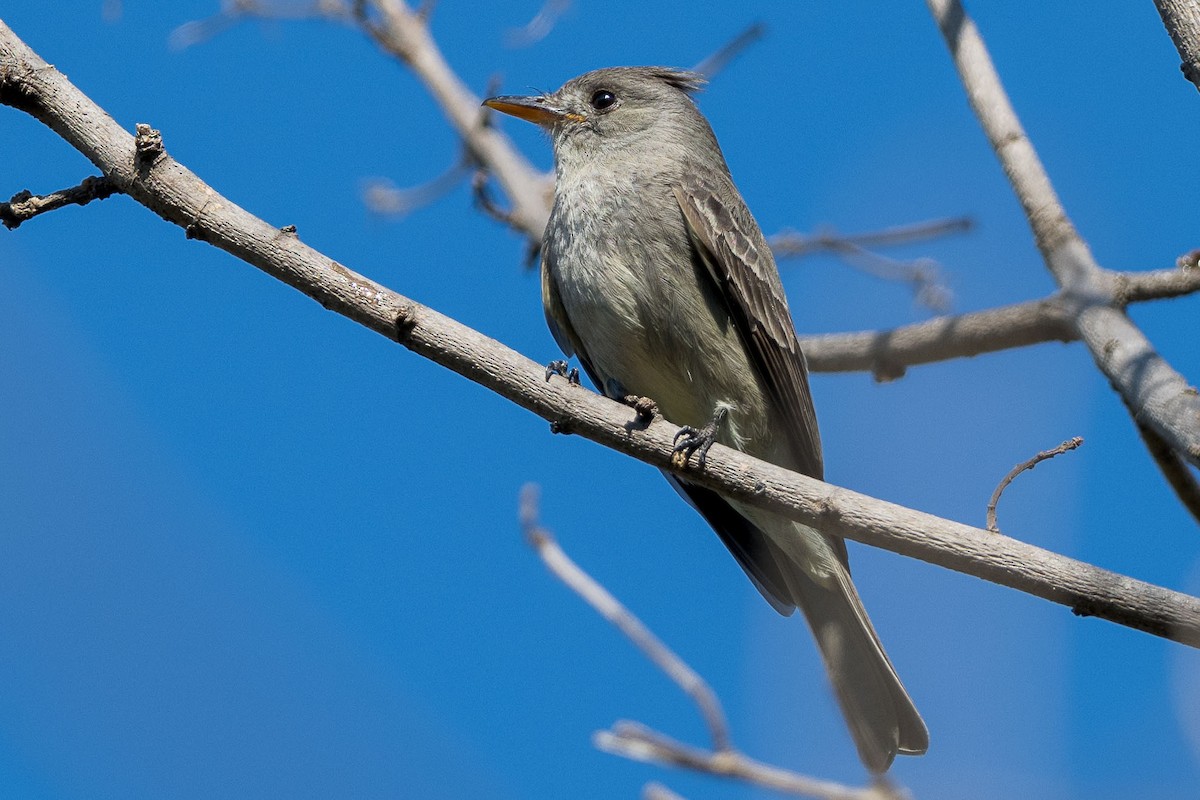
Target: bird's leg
(559,367)
(690,440)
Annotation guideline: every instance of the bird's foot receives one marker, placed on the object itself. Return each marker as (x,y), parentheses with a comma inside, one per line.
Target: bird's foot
(645,407)
(560,367)
(689,440)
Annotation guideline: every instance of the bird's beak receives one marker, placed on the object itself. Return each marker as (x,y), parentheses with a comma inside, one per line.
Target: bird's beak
(536,109)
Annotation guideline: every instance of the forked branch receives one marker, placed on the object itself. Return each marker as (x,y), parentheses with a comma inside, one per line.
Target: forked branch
(153,178)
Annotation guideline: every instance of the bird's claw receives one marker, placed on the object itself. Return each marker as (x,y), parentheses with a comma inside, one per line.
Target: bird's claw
(645,407)
(689,440)
(560,367)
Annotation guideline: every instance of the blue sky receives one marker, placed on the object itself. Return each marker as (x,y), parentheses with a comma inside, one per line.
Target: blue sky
(252,550)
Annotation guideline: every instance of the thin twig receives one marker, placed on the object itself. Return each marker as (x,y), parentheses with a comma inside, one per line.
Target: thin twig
(716,62)
(611,609)
(792,243)
(1070,444)
(232,12)
(540,26)
(656,791)
(383,197)
(924,275)
(635,741)
(25,205)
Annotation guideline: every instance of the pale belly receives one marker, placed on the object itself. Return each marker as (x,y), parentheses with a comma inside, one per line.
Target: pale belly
(652,332)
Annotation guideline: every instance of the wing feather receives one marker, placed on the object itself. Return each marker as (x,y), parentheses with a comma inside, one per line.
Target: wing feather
(741,264)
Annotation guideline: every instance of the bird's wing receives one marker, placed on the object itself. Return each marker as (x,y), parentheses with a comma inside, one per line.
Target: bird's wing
(560,324)
(556,313)
(737,257)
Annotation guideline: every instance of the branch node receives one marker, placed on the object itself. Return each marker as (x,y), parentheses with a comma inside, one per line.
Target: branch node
(148,144)
(405,322)
(884,371)
(288,230)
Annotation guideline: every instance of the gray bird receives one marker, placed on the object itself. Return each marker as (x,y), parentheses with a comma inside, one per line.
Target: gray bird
(656,276)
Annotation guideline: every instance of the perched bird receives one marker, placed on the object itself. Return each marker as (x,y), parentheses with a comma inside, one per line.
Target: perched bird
(656,276)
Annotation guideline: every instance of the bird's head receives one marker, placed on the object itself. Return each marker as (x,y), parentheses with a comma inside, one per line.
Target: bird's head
(608,109)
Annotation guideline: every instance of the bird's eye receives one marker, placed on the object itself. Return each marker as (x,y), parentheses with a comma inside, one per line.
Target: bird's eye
(603,99)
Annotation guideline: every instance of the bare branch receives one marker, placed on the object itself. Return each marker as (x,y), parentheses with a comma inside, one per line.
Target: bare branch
(634,741)
(1182,20)
(791,243)
(1137,287)
(710,66)
(404,34)
(599,598)
(631,740)
(1070,444)
(25,205)
(383,197)
(233,12)
(923,274)
(111,10)
(1179,475)
(656,791)
(540,26)
(174,193)
(888,354)
(1155,393)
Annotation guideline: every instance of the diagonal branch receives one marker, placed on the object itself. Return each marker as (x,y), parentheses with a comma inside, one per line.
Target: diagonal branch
(154,179)
(1156,395)
(1182,20)
(887,354)
(599,598)
(404,33)
(634,741)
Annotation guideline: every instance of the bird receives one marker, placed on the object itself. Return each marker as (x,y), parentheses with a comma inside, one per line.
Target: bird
(656,276)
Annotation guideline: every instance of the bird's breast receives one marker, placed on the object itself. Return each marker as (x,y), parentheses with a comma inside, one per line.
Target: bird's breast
(647,317)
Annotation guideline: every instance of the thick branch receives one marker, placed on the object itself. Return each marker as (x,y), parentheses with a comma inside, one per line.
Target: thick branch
(163,185)
(887,354)
(1155,393)
(1178,474)
(1182,19)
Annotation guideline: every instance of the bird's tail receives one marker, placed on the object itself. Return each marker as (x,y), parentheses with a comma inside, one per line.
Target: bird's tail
(881,716)
(878,710)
